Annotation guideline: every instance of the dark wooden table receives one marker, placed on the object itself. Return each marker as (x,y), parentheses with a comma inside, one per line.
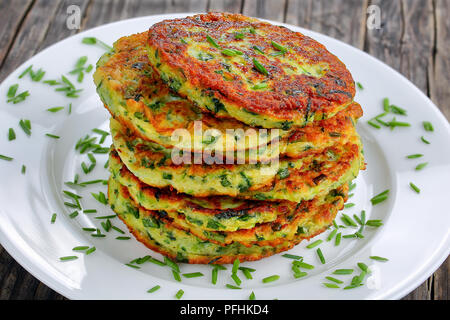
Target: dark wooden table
(414,38)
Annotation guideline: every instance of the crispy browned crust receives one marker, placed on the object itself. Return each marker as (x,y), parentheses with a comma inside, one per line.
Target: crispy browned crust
(293,97)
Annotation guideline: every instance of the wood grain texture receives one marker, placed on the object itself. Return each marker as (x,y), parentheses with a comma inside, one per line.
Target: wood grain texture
(414,39)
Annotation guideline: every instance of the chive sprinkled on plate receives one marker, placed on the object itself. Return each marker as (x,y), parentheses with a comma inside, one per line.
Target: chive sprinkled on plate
(123,238)
(193,275)
(314,244)
(80,248)
(414,156)
(378,258)
(421,166)
(414,187)
(331,285)
(155,288)
(320,255)
(100,197)
(271,278)
(374,223)
(363,267)
(291,256)
(424,140)
(332,234)
(68,258)
(90,250)
(252,296)
(179,294)
(55,109)
(360,86)
(171,264)
(6,158)
(52,136)
(95,41)
(380,197)
(53,219)
(428,126)
(230,286)
(334,280)
(26,126)
(343,271)
(235,266)
(11,134)
(337,241)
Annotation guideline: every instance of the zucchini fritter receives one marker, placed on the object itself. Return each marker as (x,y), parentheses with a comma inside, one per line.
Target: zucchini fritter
(157,232)
(291,179)
(240,67)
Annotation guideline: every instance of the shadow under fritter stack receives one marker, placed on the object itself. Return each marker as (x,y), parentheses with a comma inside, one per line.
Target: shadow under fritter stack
(227,71)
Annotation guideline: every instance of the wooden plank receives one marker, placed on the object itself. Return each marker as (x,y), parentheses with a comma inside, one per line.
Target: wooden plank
(11,16)
(234,6)
(343,20)
(30,35)
(440,74)
(267,9)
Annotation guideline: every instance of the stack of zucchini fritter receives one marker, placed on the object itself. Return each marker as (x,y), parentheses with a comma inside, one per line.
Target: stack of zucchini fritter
(193,92)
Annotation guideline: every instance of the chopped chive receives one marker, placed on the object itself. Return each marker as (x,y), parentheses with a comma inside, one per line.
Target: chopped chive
(235,266)
(374,223)
(212,41)
(71,195)
(171,264)
(394,124)
(343,271)
(386,104)
(193,275)
(378,258)
(176,275)
(230,286)
(358,220)
(90,250)
(73,214)
(53,218)
(260,67)
(314,244)
(80,248)
(106,217)
(19,98)
(414,156)
(26,126)
(11,134)
(320,254)
(12,91)
(414,187)
(89,229)
(155,288)
(271,279)
(100,197)
(428,126)
(236,279)
(279,47)
(90,211)
(291,256)
(123,238)
(55,109)
(421,166)
(246,273)
(348,221)
(245,268)
(359,235)
(132,266)
(27,70)
(52,136)
(118,230)
(331,285)
(300,274)
(302,264)
(252,296)
(349,236)
(68,258)
(337,241)
(380,197)
(231,52)
(424,140)
(360,86)
(397,110)
(373,124)
(98,235)
(157,262)
(332,234)
(260,86)
(179,294)
(334,280)
(363,217)
(214,275)
(2,157)
(363,267)
(93,41)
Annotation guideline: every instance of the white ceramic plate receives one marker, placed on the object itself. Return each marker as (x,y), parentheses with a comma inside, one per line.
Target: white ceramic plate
(415,235)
